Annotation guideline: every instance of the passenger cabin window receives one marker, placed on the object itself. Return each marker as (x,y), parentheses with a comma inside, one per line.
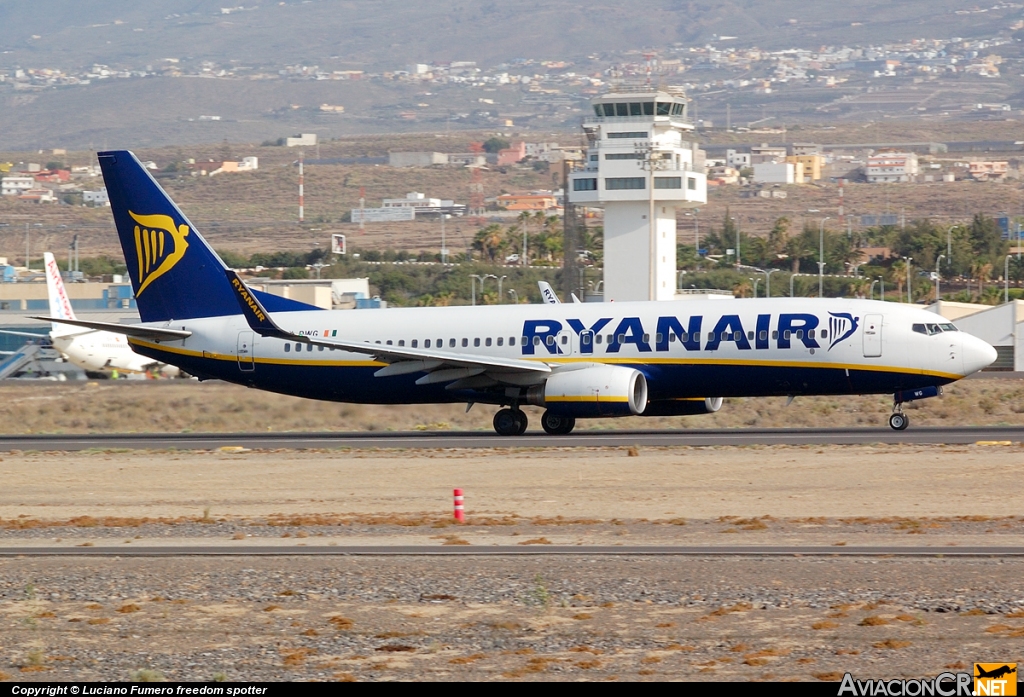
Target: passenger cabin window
(536,341)
(416,343)
(775,334)
(488,341)
(684,337)
(501,340)
(585,339)
(565,339)
(390,342)
(309,347)
(298,347)
(598,337)
(426,343)
(763,335)
(476,342)
(823,334)
(750,336)
(551,340)
(465,342)
(810,333)
(287,348)
(401,342)
(451,343)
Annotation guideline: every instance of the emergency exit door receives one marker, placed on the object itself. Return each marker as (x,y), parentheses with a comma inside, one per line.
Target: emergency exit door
(245,352)
(872,336)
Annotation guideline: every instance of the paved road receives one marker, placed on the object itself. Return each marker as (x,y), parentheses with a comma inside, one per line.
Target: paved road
(243,550)
(481,439)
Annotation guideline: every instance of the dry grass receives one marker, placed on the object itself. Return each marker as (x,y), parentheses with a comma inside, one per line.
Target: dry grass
(128,608)
(892,644)
(340,622)
(873,621)
(464,660)
(832,676)
(176,406)
(536,541)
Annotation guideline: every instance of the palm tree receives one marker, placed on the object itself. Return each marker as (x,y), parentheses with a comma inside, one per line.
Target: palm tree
(489,241)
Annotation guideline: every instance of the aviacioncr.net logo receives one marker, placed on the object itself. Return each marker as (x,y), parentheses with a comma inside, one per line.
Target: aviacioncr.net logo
(159,245)
(942,685)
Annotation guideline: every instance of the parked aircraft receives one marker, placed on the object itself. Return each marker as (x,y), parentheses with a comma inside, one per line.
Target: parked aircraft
(576,360)
(91,349)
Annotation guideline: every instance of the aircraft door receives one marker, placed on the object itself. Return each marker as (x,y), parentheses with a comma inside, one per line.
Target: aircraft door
(245,352)
(872,336)
(565,341)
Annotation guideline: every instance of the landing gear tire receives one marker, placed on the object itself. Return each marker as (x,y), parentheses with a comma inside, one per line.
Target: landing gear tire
(522,421)
(899,422)
(510,422)
(557,425)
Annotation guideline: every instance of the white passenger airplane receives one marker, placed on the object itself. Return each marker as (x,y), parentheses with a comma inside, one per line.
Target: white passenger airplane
(576,360)
(91,349)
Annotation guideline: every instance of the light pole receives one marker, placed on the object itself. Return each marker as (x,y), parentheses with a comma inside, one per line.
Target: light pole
(871,291)
(1006,279)
(937,277)
(909,295)
(949,244)
(515,296)
(768,282)
(500,282)
(473,278)
(444,246)
(821,256)
(791,278)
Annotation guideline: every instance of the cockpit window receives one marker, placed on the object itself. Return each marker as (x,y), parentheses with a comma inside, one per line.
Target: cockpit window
(927,329)
(919,328)
(933,329)
(948,327)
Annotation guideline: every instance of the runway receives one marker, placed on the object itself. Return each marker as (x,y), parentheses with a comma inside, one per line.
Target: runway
(513,551)
(481,439)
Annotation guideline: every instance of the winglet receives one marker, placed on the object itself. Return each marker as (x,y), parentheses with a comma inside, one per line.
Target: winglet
(255,314)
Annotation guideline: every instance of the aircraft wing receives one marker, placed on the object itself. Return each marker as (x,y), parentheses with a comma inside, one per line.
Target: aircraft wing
(141,332)
(441,366)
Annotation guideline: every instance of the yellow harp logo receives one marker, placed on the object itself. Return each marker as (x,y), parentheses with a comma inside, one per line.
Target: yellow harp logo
(159,245)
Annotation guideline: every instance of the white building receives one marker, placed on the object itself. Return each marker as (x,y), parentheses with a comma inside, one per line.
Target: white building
(97,198)
(641,165)
(420,204)
(15,185)
(301,140)
(778,173)
(737,160)
(889,167)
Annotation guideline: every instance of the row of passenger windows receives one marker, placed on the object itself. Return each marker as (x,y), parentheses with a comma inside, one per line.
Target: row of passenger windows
(640,109)
(932,329)
(586,338)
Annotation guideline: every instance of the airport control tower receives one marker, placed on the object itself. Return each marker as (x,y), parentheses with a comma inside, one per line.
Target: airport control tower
(642,164)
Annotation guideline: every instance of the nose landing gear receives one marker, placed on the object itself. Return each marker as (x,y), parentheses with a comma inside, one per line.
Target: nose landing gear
(898,421)
(510,422)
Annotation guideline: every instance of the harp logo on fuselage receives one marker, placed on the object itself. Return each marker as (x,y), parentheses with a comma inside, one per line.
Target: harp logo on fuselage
(159,245)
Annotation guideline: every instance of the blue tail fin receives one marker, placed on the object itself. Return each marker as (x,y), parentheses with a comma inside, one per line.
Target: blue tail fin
(174,272)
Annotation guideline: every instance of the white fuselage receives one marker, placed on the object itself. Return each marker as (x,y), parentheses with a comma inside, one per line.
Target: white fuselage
(686,349)
(99,350)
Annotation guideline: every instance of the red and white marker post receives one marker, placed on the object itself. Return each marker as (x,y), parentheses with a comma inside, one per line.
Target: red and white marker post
(460,510)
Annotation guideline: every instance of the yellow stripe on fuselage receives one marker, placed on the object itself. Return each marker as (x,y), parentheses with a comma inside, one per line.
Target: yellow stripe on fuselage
(638,361)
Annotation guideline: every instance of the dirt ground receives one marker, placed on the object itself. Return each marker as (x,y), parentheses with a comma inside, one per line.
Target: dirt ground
(140,406)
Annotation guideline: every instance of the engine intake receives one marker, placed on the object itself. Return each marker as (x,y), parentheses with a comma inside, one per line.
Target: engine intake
(602,390)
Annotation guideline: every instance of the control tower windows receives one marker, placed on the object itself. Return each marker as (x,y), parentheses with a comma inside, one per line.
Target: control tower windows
(668,182)
(632,135)
(619,183)
(664,108)
(622,109)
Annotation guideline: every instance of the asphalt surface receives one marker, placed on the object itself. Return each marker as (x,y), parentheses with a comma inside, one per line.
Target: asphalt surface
(517,551)
(480,439)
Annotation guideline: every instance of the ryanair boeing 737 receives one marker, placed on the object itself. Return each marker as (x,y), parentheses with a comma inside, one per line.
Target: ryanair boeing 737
(575,360)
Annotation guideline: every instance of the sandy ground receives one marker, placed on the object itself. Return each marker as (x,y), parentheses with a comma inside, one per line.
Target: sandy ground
(586,495)
(140,406)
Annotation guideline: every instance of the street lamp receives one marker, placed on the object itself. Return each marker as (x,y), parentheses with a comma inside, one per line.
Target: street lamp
(755,281)
(871,291)
(515,296)
(937,277)
(500,282)
(768,282)
(791,278)
(821,256)
(473,278)
(1006,279)
(949,244)
(910,296)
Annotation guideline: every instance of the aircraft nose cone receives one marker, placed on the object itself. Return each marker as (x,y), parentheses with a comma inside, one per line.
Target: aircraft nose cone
(978,354)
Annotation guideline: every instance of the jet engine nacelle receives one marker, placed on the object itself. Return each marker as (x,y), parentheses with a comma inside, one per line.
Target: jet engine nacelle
(683,407)
(602,390)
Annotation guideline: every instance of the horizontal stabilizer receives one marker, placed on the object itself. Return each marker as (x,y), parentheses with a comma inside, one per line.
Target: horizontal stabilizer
(135,330)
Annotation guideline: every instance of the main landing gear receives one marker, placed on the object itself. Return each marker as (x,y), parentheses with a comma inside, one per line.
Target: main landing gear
(510,422)
(557,425)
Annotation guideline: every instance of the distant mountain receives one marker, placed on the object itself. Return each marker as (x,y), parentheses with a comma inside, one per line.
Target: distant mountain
(382,34)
